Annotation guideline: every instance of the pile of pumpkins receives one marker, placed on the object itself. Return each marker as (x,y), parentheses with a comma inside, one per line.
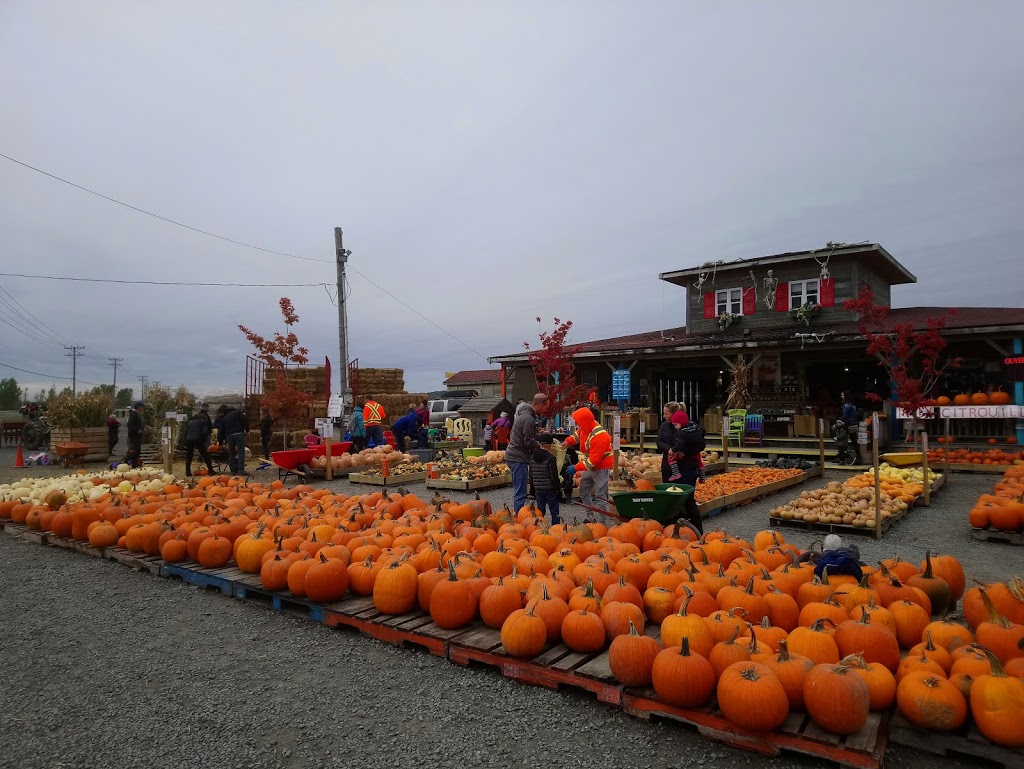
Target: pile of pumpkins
(84,486)
(748,623)
(647,465)
(838,503)
(487,458)
(367,458)
(1003,509)
(995,398)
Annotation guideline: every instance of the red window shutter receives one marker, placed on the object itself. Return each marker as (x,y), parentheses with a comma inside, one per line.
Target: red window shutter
(709,304)
(827,292)
(782,297)
(749,301)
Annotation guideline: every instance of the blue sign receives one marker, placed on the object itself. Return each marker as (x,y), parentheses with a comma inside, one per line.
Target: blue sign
(620,384)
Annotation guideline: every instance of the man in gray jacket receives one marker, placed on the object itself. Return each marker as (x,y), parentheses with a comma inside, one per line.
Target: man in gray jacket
(521,445)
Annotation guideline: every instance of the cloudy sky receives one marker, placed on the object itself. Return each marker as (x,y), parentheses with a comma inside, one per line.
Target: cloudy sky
(489,162)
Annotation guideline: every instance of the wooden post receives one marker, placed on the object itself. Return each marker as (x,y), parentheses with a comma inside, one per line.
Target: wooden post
(878,482)
(725,442)
(946,452)
(169,446)
(821,445)
(640,427)
(615,466)
(924,468)
(329,470)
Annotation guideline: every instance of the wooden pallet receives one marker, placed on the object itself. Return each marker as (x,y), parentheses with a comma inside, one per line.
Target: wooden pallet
(556,666)
(137,561)
(193,574)
(391,480)
(721,504)
(477,483)
(960,467)
(79,547)
(966,742)
(415,628)
(247,587)
(995,535)
(23,532)
(798,734)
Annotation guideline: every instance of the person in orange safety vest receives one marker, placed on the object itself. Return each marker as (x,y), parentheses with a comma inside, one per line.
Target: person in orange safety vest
(373,417)
(596,458)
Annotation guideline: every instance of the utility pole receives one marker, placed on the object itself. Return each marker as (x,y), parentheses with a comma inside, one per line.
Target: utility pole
(115,362)
(143,380)
(342,258)
(75,352)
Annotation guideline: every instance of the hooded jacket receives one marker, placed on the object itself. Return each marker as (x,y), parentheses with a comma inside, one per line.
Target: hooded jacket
(594,441)
(523,440)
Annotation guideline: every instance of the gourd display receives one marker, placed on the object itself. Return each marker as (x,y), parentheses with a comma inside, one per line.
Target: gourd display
(717,619)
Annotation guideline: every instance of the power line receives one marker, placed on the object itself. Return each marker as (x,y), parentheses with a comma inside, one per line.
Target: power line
(416,312)
(46,376)
(218,237)
(33,320)
(162,218)
(160,282)
(73,354)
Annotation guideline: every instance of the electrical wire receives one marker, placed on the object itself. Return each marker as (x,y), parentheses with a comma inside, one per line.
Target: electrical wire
(48,376)
(158,282)
(417,312)
(33,320)
(162,218)
(218,237)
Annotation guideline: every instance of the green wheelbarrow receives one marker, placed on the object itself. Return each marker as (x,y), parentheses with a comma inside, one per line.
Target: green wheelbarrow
(660,505)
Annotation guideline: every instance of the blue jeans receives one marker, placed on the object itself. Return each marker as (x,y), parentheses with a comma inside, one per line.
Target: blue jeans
(375,433)
(236,453)
(547,502)
(520,474)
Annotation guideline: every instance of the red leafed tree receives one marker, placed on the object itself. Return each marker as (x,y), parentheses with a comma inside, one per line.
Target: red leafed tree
(278,352)
(552,366)
(914,359)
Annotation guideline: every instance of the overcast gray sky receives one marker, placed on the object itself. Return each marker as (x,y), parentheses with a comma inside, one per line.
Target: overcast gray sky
(489,163)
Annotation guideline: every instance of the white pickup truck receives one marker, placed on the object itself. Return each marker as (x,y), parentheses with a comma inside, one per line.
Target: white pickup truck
(443,409)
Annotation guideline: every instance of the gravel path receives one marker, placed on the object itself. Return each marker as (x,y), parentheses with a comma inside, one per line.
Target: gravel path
(107,667)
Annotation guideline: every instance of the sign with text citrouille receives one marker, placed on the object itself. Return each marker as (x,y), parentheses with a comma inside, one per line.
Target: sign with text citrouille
(966,412)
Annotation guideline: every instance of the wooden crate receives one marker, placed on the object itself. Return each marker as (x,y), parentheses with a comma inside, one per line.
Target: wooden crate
(391,480)
(94,437)
(477,483)
(720,504)
(842,528)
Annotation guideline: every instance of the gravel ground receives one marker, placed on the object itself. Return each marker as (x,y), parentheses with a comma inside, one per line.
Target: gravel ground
(107,667)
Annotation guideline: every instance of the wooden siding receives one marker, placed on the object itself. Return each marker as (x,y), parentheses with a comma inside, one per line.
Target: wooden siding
(847,271)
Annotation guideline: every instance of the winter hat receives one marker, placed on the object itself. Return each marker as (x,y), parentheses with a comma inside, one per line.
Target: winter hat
(833,542)
(680,418)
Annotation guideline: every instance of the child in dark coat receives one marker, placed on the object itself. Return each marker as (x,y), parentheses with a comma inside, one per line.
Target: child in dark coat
(544,477)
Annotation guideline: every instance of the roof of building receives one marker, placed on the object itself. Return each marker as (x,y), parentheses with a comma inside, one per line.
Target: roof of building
(882,260)
(480,376)
(966,318)
(481,405)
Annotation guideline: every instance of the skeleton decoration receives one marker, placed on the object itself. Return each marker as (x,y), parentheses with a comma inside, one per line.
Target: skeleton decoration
(708,269)
(817,337)
(771,287)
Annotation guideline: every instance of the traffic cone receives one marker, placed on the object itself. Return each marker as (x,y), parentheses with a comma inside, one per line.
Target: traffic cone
(19,461)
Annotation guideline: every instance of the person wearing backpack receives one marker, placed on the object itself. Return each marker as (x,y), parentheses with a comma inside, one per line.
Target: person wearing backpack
(689,443)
